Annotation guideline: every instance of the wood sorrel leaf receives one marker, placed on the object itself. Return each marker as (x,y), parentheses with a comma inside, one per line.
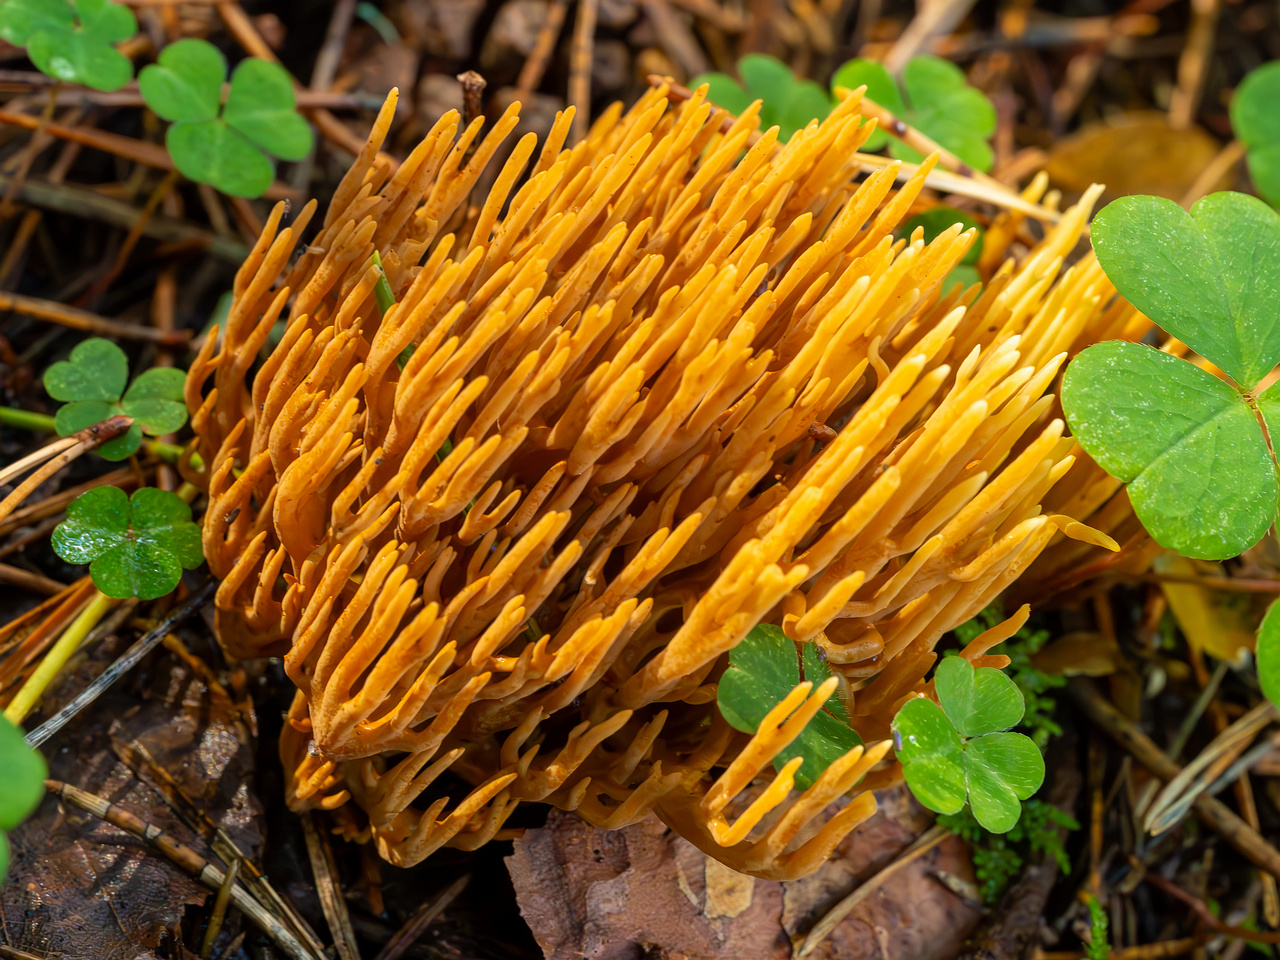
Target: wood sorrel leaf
(1268,654)
(945,107)
(1210,277)
(96,370)
(85,413)
(1200,476)
(939,102)
(1256,123)
(932,755)
(723,91)
(186,83)
(977,701)
(155,400)
(261,105)
(817,670)
(1001,770)
(134,546)
(763,669)
(22,785)
(881,88)
(72,41)
(766,78)
(211,152)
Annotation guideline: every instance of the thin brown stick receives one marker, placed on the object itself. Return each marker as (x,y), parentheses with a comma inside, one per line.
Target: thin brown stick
(103,283)
(50,449)
(584,33)
(1193,63)
(421,918)
(78,319)
(535,65)
(130,97)
(52,614)
(86,440)
(1202,910)
(130,148)
(220,904)
(83,202)
(13,953)
(26,580)
(822,929)
(21,237)
(182,855)
(1215,814)
(335,39)
(922,143)
(329,889)
(125,478)
(1214,171)
(29,536)
(28,155)
(676,38)
(931,20)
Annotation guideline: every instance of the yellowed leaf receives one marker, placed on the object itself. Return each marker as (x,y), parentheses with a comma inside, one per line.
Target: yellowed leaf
(1217,622)
(1080,654)
(1134,153)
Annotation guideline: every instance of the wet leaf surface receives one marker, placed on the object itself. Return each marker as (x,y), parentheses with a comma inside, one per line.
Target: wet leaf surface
(642,891)
(79,887)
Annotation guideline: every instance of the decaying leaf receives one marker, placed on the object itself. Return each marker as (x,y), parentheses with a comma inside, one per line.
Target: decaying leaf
(79,887)
(1219,623)
(644,891)
(1134,153)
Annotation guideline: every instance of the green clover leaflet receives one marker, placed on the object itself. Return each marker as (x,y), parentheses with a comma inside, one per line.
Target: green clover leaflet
(21,787)
(959,751)
(225,145)
(92,382)
(763,669)
(135,546)
(72,40)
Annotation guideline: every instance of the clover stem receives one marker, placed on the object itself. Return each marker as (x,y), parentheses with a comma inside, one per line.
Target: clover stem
(26,420)
(172,453)
(29,694)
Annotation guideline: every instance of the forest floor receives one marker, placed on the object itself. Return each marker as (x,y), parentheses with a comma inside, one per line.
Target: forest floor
(1132,94)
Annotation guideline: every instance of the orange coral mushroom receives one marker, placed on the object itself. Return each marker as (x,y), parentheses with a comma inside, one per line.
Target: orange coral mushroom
(523,556)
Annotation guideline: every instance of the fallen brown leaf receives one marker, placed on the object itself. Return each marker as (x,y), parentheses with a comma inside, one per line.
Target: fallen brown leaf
(1134,153)
(644,892)
(79,887)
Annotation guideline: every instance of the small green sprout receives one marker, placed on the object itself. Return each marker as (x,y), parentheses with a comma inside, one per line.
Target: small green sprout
(1190,445)
(225,146)
(21,787)
(961,751)
(1256,123)
(786,101)
(92,382)
(938,102)
(72,40)
(763,669)
(1098,946)
(940,219)
(999,857)
(135,546)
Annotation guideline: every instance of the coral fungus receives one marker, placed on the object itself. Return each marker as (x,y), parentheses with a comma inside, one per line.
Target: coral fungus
(650,391)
